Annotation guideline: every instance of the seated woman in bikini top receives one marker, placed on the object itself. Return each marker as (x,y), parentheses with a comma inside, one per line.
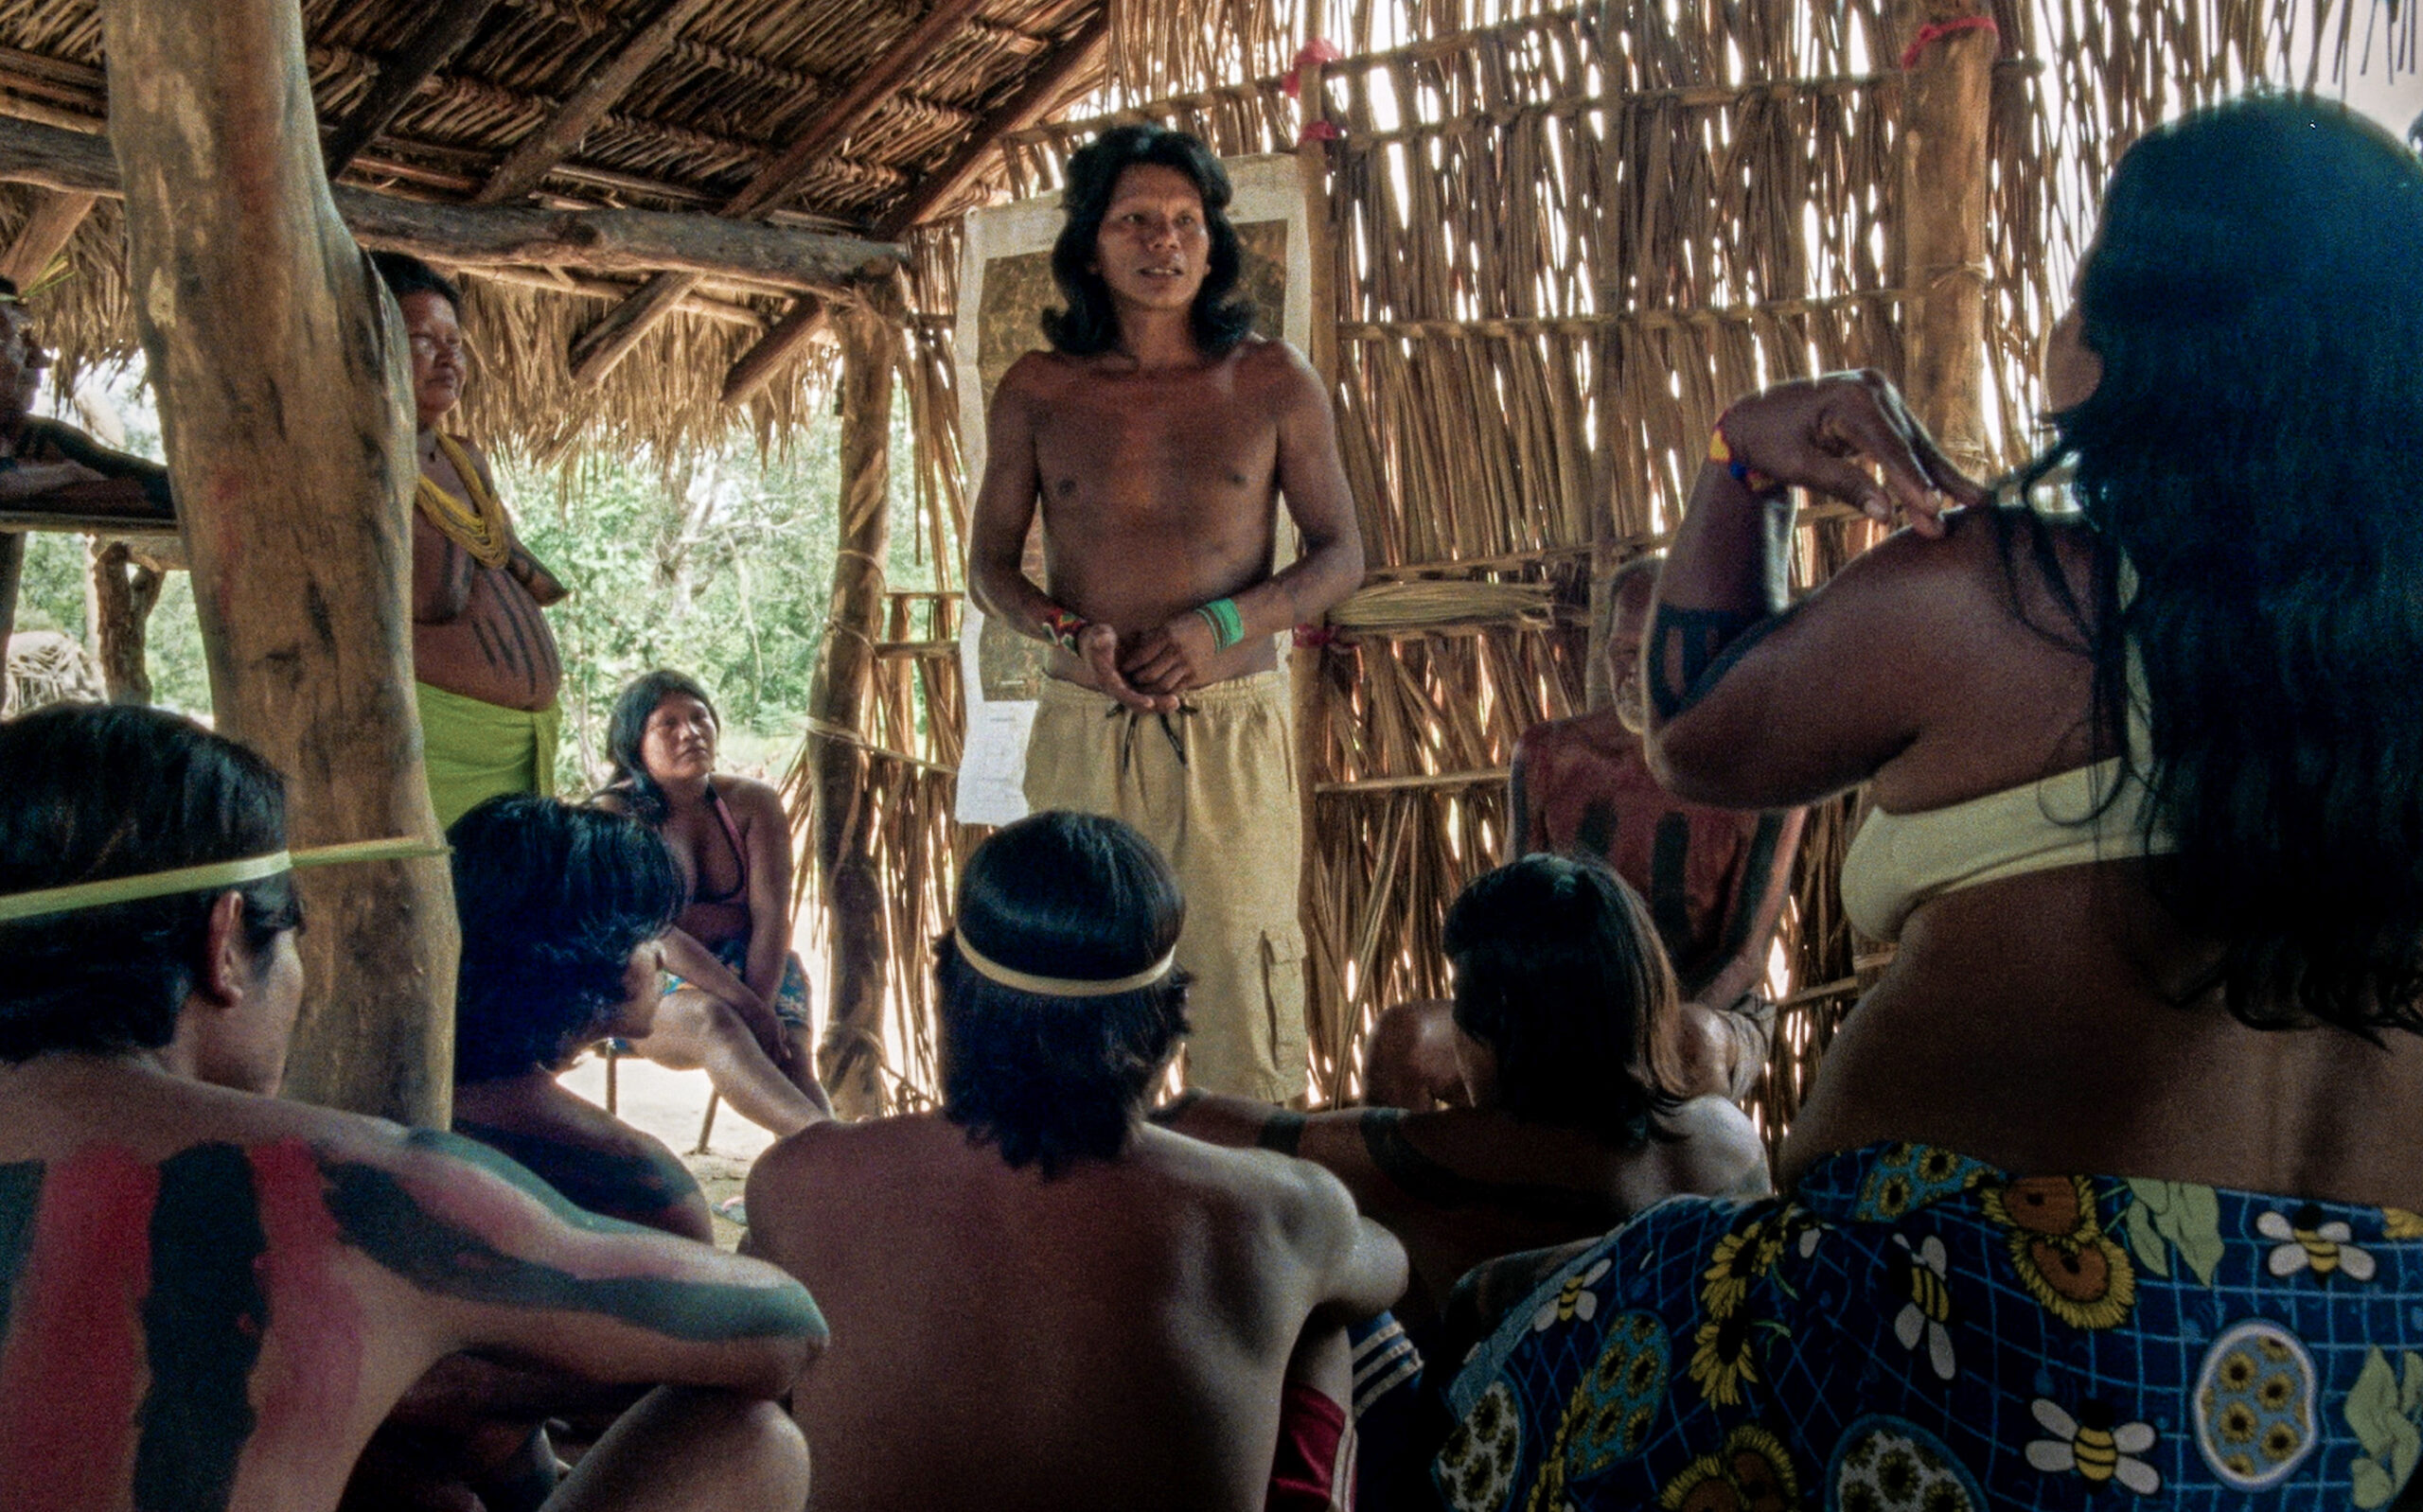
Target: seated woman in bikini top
(735,997)
(2105,1180)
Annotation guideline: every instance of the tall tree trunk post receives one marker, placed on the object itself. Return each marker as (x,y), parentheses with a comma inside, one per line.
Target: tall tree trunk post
(284,404)
(1947,104)
(124,593)
(13,573)
(846,869)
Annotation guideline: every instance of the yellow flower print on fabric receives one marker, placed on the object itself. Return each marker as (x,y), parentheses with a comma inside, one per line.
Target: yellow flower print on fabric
(2060,1253)
(1475,1471)
(1751,1471)
(1616,1403)
(2398,1223)
(1721,1362)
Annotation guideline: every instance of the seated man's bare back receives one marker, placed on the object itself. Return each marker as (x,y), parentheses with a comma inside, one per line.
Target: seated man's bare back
(210,1297)
(1042,1302)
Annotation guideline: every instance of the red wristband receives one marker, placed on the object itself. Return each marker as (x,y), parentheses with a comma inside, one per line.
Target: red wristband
(1721,453)
(1062,627)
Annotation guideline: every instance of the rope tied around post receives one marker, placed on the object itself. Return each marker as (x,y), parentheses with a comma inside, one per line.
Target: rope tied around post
(1935,31)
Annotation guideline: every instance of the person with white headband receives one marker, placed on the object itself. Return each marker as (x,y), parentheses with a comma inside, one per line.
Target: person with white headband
(210,1296)
(1040,1301)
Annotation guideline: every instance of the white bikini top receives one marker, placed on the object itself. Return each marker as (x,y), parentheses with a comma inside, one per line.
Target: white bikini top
(1899,861)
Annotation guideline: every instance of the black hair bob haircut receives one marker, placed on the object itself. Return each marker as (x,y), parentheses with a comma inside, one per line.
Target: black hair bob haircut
(1057,1080)
(98,792)
(2255,294)
(552,899)
(1560,973)
(627,725)
(1220,319)
(407,274)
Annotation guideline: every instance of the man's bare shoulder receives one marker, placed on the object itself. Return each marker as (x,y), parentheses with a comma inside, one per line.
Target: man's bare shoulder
(1276,367)
(1718,1152)
(1599,736)
(1294,1193)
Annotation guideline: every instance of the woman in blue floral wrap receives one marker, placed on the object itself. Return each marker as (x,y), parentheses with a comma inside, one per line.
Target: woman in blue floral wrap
(2146,755)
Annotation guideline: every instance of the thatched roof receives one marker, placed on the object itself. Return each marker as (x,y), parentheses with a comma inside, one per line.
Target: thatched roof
(740,83)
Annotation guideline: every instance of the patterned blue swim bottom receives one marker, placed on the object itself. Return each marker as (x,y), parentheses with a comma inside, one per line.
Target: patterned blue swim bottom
(1912,1329)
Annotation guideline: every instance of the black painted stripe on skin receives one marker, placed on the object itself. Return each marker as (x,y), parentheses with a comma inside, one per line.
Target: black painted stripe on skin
(1426,1181)
(378,1217)
(20,1199)
(1669,883)
(597,1181)
(1283,1131)
(1595,837)
(202,1324)
(1759,882)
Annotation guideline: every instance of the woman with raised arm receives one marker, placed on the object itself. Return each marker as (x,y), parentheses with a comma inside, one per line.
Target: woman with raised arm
(2102,1182)
(735,997)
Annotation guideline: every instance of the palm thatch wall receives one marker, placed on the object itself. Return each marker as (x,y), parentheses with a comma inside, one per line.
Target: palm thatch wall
(1564,239)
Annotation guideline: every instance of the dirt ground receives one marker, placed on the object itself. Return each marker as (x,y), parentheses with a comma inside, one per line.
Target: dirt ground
(671,1105)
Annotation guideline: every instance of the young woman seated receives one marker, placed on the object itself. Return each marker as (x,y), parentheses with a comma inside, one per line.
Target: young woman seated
(1560,987)
(2100,1188)
(735,997)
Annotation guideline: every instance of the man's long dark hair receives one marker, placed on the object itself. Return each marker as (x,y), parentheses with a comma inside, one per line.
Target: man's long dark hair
(1047,1079)
(94,793)
(1220,319)
(1560,973)
(627,726)
(2255,298)
(553,898)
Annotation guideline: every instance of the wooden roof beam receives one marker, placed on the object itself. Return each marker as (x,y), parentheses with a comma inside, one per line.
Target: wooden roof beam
(595,241)
(56,215)
(443,35)
(811,317)
(1044,88)
(598,349)
(534,155)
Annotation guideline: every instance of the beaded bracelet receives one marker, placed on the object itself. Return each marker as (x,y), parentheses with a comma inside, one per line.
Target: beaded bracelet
(1721,453)
(1063,627)
(1227,625)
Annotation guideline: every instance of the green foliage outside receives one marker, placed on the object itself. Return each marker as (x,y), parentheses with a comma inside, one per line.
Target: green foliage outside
(721,567)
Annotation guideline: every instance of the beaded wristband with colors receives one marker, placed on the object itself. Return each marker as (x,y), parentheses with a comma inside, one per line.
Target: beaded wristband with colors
(1721,453)
(1062,627)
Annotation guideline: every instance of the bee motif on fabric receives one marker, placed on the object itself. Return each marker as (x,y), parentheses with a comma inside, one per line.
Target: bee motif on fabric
(1928,1313)
(1572,1300)
(2095,1446)
(2307,1242)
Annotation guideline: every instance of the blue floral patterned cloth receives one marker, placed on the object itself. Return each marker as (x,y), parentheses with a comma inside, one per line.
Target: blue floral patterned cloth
(1912,1329)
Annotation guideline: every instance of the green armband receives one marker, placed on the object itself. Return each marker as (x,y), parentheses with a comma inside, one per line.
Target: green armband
(1227,625)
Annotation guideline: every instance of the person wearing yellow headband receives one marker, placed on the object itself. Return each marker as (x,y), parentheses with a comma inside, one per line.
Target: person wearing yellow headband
(1039,1300)
(210,1295)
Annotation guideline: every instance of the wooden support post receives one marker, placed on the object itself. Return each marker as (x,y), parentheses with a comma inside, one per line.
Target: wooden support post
(806,321)
(45,235)
(13,574)
(441,35)
(1324,987)
(596,351)
(1947,103)
(532,157)
(284,402)
(846,869)
(124,593)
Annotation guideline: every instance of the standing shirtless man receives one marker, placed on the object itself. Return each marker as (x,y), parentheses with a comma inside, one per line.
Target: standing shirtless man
(485,667)
(1156,438)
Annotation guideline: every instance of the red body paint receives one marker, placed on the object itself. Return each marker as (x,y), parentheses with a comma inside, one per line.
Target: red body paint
(310,1371)
(71,1368)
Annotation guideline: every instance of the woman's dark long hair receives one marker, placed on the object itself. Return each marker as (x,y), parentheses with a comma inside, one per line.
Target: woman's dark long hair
(1054,1080)
(1560,973)
(94,793)
(2255,298)
(627,725)
(1089,324)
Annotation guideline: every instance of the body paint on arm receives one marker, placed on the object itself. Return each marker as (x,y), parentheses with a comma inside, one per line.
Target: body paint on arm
(1693,649)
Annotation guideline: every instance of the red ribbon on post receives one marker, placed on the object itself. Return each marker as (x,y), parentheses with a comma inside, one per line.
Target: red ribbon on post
(1936,31)
(1318,50)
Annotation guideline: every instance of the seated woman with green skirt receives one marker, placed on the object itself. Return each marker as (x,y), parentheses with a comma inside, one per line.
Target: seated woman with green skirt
(2102,1195)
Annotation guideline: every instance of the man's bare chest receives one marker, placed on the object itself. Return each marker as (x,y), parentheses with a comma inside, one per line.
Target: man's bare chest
(1136,444)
